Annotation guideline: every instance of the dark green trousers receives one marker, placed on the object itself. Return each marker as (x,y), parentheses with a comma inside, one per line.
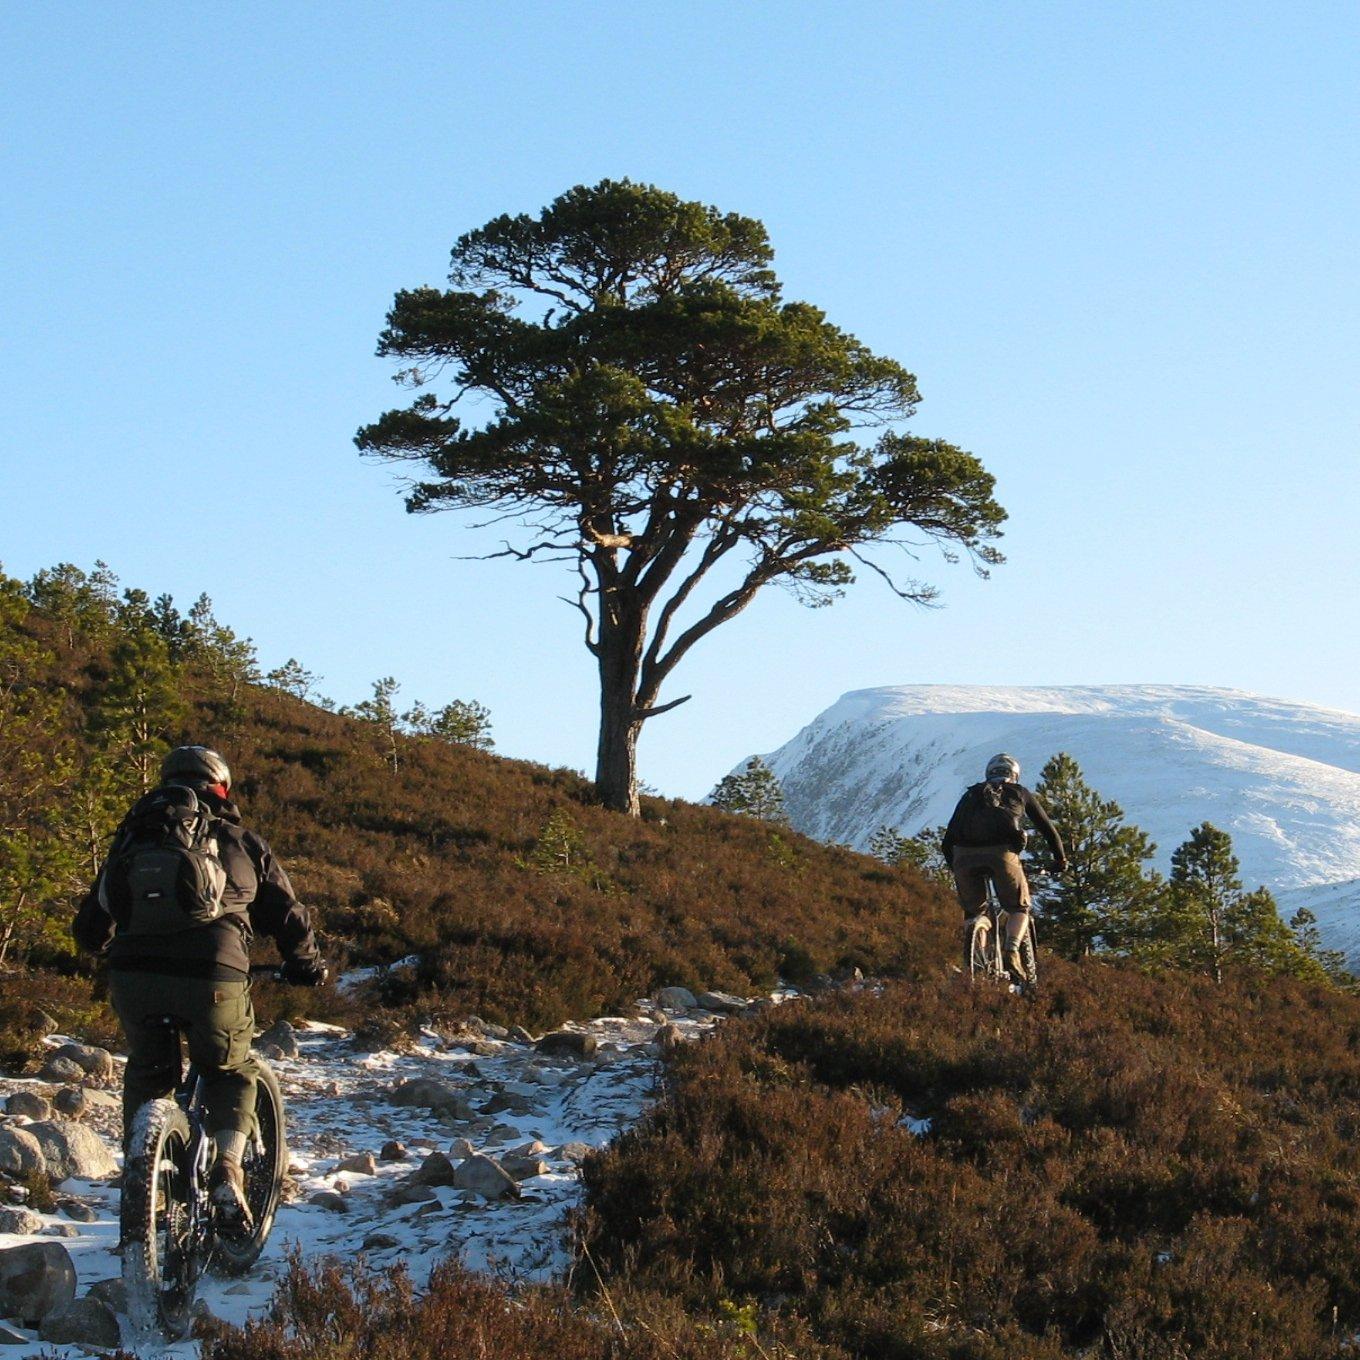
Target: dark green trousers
(218,1022)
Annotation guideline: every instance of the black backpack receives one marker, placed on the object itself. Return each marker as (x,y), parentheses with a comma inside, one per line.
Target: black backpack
(164,873)
(991,814)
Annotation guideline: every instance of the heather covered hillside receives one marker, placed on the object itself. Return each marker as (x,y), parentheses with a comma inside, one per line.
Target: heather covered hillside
(522,898)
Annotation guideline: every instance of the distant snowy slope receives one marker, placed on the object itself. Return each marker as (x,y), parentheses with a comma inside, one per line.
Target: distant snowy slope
(1283,779)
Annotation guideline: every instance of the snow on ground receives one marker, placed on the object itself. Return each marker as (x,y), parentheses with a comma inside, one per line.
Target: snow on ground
(338,1104)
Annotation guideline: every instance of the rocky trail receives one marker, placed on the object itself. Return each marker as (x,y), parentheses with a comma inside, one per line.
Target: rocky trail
(463,1142)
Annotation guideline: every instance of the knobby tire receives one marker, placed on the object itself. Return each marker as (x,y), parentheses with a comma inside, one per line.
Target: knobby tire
(264,1165)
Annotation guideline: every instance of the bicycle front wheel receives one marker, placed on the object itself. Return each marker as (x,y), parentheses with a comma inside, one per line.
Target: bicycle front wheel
(157,1221)
(264,1165)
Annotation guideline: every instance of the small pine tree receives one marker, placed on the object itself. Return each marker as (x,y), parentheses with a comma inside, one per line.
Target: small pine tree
(381,711)
(464,722)
(1309,939)
(888,844)
(293,678)
(754,791)
(1107,879)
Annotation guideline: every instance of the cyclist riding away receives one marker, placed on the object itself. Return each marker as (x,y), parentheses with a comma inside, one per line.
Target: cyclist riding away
(184,890)
(982,844)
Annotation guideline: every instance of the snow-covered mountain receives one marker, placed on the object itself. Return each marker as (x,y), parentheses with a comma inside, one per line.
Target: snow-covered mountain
(1282,778)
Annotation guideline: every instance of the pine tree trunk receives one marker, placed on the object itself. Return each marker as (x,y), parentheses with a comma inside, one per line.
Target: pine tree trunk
(620,658)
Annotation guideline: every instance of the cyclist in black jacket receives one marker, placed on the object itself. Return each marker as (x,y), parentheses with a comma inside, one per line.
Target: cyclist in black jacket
(982,844)
(201,975)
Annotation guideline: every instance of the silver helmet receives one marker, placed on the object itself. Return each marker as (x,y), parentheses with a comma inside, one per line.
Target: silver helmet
(195,765)
(1003,767)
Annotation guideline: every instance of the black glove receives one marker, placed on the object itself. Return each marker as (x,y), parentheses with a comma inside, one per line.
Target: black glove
(304,974)
(1060,866)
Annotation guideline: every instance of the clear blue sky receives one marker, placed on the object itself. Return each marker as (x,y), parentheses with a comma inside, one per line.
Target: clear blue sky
(1116,243)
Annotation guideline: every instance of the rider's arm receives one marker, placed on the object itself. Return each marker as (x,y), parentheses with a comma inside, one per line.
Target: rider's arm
(276,912)
(93,927)
(1034,810)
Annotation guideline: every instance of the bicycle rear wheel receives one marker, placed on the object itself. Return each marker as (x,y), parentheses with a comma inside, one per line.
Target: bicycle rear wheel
(264,1165)
(980,951)
(157,1221)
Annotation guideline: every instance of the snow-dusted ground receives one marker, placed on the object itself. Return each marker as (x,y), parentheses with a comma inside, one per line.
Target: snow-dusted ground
(1282,778)
(338,1104)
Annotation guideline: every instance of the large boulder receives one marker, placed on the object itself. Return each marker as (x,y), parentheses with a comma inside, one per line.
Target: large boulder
(71,1149)
(20,1152)
(283,1037)
(57,1068)
(569,1043)
(676,998)
(722,1002)
(96,1063)
(29,1105)
(486,1177)
(82,1322)
(436,1169)
(360,1163)
(34,1279)
(523,1168)
(428,1093)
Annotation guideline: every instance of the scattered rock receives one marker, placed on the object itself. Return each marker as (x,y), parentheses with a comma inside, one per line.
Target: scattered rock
(575,1152)
(380,1241)
(71,1149)
(486,1177)
(533,1148)
(71,1102)
(29,1105)
(62,1230)
(284,1037)
(34,1279)
(270,1052)
(364,1163)
(436,1169)
(61,1069)
(521,1035)
(82,1322)
(462,1148)
(676,999)
(393,1151)
(523,1168)
(112,1292)
(20,1152)
(668,1038)
(572,1043)
(20,1222)
(722,1002)
(94,1062)
(495,1031)
(508,1102)
(411,1194)
(10,1337)
(328,1199)
(428,1093)
(78,1210)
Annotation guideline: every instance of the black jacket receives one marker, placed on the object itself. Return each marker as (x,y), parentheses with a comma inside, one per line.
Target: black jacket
(259,899)
(979,820)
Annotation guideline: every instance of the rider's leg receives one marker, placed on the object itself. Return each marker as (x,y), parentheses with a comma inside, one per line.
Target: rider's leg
(153,1065)
(219,1044)
(1012,891)
(970,882)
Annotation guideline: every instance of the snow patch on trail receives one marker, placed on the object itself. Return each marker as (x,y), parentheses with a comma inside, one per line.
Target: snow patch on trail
(338,1104)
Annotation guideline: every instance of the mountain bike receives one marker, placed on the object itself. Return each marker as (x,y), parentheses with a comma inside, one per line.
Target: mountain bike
(984,947)
(168,1237)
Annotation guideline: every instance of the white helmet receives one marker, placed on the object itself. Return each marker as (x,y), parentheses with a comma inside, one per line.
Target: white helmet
(197,764)
(1003,767)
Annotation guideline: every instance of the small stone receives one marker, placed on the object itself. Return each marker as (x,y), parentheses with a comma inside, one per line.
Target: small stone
(380,1241)
(328,1199)
(668,1038)
(521,1035)
(722,1002)
(572,1043)
(96,1063)
(523,1168)
(432,1206)
(533,1148)
(411,1194)
(61,1069)
(575,1152)
(61,1230)
(676,998)
(361,1163)
(284,1037)
(34,1279)
(20,1152)
(78,1211)
(427,1093)
(486,1177)
(462,1148)
(20,1222)
(82,1322)
(29,1105)
(112,1292)
(71,1102)
(393,1151)
(270,1052)
(508,1102)
(9,1336)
